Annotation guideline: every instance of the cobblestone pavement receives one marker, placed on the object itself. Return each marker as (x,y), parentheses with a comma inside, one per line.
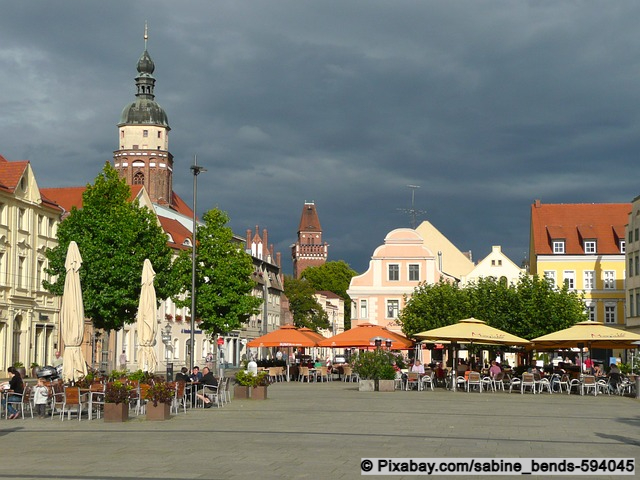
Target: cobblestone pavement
(321,431)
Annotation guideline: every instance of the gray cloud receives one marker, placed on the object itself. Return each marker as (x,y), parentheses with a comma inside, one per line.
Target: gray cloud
(486,105)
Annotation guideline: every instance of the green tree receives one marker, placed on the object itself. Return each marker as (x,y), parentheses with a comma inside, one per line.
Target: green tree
(306,310)
(333,277)
(223,277)
(114,236)
(528,309)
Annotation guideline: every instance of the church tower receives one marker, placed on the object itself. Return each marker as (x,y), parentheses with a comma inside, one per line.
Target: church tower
(143,136)
(309,250)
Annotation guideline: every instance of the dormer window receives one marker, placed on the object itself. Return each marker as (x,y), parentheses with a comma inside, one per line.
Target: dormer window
(558,247)
(589,246)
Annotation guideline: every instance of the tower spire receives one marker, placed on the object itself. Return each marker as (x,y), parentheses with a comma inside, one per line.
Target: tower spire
(146,34)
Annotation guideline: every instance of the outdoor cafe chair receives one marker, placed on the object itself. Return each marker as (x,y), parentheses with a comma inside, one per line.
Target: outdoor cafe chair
(514,383)
(179,398)
(588,383)
(413,378)
(498,381)
(602,386)
(576,384)
(21,399)
(347,373)
(212,392)
(56,396)
(427,381)
(72,401)
(322,375)
(544,383)
(527,381)
(304,373)
(96,399)
(273,374)
(461,382)
(488,383)
(474,379)
(564,383)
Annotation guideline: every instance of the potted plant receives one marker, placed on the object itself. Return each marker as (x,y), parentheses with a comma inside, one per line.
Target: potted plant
(159,396)
(375,369)
(248,385)
(116,401)
(259,388)
(244,380)
(34,369)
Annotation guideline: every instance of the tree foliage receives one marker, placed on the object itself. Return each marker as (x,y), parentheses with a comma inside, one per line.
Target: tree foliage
(114,236)
(528,309)
(306,310)
(334,277)
(223,277)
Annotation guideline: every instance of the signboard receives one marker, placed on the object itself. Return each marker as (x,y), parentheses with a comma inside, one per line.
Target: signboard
(220,341)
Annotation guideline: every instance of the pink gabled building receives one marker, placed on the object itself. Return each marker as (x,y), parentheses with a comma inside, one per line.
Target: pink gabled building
(396,268)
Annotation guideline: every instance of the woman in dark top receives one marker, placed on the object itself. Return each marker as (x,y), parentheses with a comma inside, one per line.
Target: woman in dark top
(16,386)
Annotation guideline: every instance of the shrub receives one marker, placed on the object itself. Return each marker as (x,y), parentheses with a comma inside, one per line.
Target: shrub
(374,365)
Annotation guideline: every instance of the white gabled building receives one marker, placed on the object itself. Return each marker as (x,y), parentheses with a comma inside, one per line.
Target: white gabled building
(496,265)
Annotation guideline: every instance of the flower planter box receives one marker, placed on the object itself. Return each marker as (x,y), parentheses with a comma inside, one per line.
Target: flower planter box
(240,392)
(259,393)
(161,412)
(366,386)
(386,385)
(116,412)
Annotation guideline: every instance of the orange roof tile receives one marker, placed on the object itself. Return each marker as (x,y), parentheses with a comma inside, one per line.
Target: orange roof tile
(576,222)
(177,231)
(66,197)
(180,206)
(11,173)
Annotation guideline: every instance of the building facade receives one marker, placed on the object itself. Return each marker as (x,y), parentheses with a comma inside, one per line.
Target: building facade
(29,315)
(309,250)
(395,270)
(632,256)
(583,247)
(496,265)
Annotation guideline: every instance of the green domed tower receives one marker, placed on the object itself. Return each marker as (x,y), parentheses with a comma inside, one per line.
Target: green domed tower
(143,157)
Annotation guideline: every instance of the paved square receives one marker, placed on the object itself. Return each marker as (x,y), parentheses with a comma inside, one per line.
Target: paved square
(322,431)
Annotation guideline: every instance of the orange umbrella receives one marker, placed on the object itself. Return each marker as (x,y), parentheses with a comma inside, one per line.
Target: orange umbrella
(363,336)
(311,333)
(286,336)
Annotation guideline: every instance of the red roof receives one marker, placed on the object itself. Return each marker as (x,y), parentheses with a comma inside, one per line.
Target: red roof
(309,221)
(576,222)
(11,173)
(177,231)
(69,197)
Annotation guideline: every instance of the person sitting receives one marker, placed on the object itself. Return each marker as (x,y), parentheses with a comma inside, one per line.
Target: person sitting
(208,380)
(183,375)
(196,375)
(597,370)
(318,363)
(614,369)
(417,367)
(494,369)
(441,375)
(14,385)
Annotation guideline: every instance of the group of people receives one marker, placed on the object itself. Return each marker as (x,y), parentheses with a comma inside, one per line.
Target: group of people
(196,377)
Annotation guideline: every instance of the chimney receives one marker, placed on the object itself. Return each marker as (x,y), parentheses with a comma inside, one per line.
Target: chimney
(265,243)
(537,203)
(278,259)
(248,239)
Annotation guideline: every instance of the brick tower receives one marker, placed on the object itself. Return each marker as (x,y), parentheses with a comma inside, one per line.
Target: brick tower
(309,250)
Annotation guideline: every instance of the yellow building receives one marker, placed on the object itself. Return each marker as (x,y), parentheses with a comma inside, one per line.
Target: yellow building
(583,247)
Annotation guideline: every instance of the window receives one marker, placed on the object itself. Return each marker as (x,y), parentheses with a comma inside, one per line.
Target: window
(550,275)
(2,269)
(637,302)
(558,247)
(392,308)
(589,246)
(414,272)
(394,272)
(636,234)
(2,210)
(631,305)
(145,133)
(609,314)
(159,133)
(630,266)
(138,178)
(623,246)
(363,309)
(589,279)
(21,218)
(591,312)
(39,272)
(609,279)
(636,258)
(570,279)
(40,223)
(21,273)
(52,228)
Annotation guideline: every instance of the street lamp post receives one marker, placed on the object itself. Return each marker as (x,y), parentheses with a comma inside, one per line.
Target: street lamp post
(196,170)
(166,339)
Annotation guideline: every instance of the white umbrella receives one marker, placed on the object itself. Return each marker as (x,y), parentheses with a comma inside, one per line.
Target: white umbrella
(147,323)
(72,318)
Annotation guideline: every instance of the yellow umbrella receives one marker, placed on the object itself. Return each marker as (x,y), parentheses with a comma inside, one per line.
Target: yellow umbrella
(592,334)
(72,318)
(147,322)
(472,330)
